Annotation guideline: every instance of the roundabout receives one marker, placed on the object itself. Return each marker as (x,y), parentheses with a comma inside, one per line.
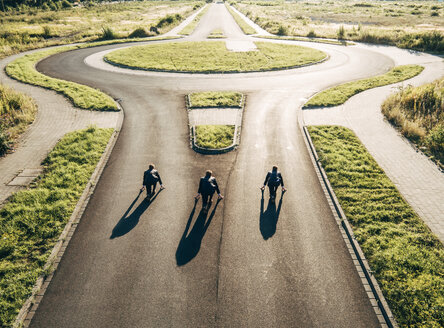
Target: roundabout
(246,263)
(214,57)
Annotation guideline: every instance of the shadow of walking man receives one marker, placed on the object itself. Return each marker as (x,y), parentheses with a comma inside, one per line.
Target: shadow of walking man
(128,223)
(268,220)
(190,242)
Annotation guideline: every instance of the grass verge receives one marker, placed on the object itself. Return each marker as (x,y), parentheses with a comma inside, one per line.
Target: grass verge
(23,69)
(213,57)
(187,30)
(215,99)
(247,29)
(17,111)
(214,136)
(340,94)
(406,257)
(216,34)
(418,112)
(32,220)
(296,38)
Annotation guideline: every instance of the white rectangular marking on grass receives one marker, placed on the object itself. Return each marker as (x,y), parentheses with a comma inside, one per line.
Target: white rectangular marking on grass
(240,46)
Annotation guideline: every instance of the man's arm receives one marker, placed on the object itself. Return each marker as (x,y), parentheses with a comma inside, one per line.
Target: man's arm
(160,179)
(266,178)
(282,180)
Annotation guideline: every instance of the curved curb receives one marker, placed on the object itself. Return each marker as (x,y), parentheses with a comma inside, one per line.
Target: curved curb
(209,151)
(134,68)
(28,309)
(371,286)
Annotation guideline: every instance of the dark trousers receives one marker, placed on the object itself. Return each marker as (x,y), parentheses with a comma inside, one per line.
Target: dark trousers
(273,190)
(206,198)
(151,188)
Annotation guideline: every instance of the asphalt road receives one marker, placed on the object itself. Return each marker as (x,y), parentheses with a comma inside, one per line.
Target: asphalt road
(247,263)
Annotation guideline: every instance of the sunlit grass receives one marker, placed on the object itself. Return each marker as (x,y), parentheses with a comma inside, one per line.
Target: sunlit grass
(32,220)
(246,28)
(340,94)
(214,136)
(17,111)
(406,257)
(213,56)
(215,99)
(418,112)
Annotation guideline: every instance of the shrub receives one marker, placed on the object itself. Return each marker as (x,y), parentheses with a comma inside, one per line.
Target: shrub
(311,34)
(341,32)
(108,34)
(435,139)
(139,33)
(46,32)
(282,30)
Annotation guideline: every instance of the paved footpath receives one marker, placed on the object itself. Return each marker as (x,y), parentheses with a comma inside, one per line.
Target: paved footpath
(416,177)
(56,117)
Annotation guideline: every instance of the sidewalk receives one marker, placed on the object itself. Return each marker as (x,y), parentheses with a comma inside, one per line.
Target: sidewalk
(56,117)
(419,180)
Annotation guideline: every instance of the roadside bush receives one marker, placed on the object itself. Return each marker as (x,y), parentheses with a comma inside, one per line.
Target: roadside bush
(311,34)
(108,34)
(168,20)
(139,33)
(341,32)
(431,41)
(418,112)
(282,30)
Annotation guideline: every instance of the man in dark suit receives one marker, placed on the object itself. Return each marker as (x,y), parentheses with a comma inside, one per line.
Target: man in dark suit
(207,187)
(150,179)
(274,180)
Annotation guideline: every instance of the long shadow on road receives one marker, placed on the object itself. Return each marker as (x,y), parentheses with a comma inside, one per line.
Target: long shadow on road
(268,220)
(189,244)
(128,223)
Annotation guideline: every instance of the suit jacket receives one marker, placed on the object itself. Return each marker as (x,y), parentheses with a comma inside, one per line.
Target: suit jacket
(151,177)
(274,179)
(208,186)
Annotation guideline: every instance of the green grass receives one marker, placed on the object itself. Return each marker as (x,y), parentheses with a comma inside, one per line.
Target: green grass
(305,39)
(23,69)
(340,94)
(418,112)
(31,28)
(215,99)
(17,111)
(213,57)
(32,220)
(189,29)
(216,34)
(398,23)
(247,29)
(214,136)
(406,257)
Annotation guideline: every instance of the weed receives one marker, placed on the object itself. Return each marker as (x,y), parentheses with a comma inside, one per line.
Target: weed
(215,99)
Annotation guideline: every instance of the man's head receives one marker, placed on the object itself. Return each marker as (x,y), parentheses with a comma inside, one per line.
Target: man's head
(151,166)
(275,168)
(208,173)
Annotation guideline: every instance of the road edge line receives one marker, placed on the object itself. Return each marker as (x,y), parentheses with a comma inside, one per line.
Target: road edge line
(371,286)
(30,306)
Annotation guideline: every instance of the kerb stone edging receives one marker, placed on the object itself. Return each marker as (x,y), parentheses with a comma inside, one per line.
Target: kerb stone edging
(371,286)
(30,306)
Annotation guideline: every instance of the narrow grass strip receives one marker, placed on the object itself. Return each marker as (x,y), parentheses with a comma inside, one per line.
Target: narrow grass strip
(297,38)
(215,99)
(23,69)
(247,29)
(33,219)
(406,257)
(340,94)
(189,29)
(214,136)
(216,34)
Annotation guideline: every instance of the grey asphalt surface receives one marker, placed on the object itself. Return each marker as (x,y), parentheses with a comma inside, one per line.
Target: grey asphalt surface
(247,263)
